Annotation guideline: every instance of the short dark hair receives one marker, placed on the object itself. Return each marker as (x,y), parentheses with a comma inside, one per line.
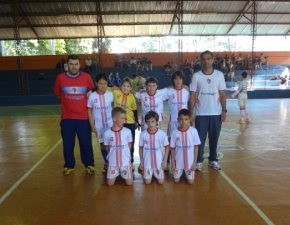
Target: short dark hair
(118,111)
(177,73)
(244,74)
(152,114)
(206,52)
(101,76)
(184,112)
(73,57)
(151,80)
(134,75)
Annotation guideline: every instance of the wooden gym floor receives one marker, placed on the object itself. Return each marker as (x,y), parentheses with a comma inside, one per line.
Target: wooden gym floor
(251,188)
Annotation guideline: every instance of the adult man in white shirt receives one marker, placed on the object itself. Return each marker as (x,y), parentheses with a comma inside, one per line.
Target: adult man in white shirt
(208,104)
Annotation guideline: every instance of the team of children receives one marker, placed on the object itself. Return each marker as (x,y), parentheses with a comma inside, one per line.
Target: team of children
(115,130)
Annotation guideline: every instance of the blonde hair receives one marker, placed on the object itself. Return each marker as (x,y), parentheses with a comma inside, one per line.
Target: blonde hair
(126,79)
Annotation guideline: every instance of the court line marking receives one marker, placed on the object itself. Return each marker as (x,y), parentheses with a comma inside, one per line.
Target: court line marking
(27,173)
(251,203)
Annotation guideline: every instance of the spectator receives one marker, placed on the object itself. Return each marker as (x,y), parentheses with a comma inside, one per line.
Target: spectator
(139,65)
(187,67)
(263,61)
(117,80)
(141,82)
(234,60)
(117,61)
(148,64)
(111,80)
(95,64)
(248,62)
(88,68)
(168,69)
(65,66)
(225,71)
(196,64)
(125,63)
(232,71)
(133,63)
(240,62)
(256,62)
(135,82)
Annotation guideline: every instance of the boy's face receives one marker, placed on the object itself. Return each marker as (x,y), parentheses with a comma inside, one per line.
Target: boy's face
(177,82)
(184,121)
(125,87)
(101,85)
(151,123)
(151,88)
(120,119)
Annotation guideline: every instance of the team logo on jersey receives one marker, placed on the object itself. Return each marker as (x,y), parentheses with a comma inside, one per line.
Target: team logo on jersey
(124,172)
(148,172)
(157,171)
(112,171)
(101,136)
(74,90)
(208,80)
(178,139)
(96,100)
(119,96)
(111,139)
(145,142)
(172,96)
(145,99)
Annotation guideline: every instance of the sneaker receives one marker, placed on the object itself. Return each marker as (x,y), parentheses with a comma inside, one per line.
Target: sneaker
(198,167)
(105,168)
(248,120)
(167,167)
(214,165)
(90,170)
(67,171)
(240,121)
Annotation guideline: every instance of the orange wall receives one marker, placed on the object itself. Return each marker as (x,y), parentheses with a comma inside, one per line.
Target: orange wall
(158,59)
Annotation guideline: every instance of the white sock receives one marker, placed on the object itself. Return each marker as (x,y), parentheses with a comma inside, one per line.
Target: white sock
(242,114)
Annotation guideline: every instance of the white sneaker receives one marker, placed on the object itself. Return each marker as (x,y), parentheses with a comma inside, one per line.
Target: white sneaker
(214,165)
(198,166)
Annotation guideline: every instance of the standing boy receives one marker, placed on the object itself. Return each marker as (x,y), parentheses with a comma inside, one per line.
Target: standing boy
(118,141)
(99,112)
(184,150)
(151,143)
(242,98)
(71,88)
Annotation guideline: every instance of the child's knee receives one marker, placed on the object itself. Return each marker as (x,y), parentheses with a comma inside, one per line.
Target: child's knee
(190,181)
(176,180)
(147,181)
(160,181)
(129,182)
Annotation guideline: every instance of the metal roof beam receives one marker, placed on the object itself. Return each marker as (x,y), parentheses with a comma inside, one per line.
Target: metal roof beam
(174,17)
(93,1)
(108,13)
(239,17)
(135,24)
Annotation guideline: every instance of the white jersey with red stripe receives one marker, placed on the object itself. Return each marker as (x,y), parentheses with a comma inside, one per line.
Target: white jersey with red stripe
(177,100)
(152,102)
(119,154)
(183,143)
(207,87)
(101,105)
(152,144)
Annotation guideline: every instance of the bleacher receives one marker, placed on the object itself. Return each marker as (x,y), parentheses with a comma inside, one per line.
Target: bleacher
(40,82)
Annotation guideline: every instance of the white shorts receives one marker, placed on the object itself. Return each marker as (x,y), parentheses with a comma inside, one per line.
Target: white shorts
(145,127)
(242,99)
(100,134)
(189,174)
(124,171)
(158,173)
(172,126)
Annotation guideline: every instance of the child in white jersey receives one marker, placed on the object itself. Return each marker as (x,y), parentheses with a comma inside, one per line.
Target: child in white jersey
(118,141)
(242,98)
(184,148)
(99,111)
(151,143)
(178,98)
(151,100)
